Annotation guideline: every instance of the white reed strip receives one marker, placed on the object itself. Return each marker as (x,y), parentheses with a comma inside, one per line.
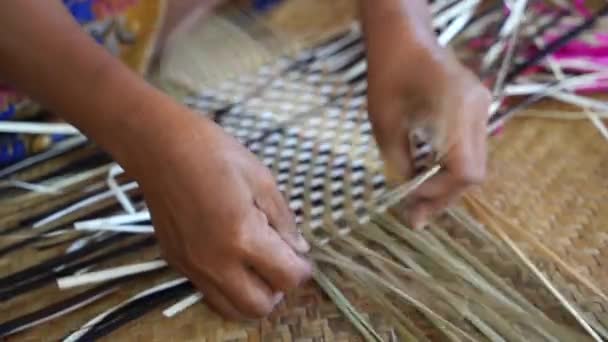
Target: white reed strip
(493,53)
(513,24)
(525,89)
(522,89)
(594,118)
(563,96)
(581,101)
(598,123)
(65,311)
(37,128)
(132,229)
(122,198)
(553,89)
(515,17)
(75,336)
(82,204)
(182,305)
(580,64)
(108,274)
(440,4)
(560,114)
(78,244)
(455,28)
(39,188)
(114,220)
(56,150)
(444,17)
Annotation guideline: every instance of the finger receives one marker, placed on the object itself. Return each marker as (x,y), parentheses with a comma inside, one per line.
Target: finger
(280,217)
(218,302)
(391,132)
(250,295)
(278,264)
(422,211)
(213,296)
(464,165)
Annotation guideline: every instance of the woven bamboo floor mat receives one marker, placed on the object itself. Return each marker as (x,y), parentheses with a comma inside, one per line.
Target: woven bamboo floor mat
(546,176)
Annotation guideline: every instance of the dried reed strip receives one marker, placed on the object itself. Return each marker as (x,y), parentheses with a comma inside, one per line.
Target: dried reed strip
(407,329)
(86,211)
(435,243)
(13,220)
(57,149)
(457,304)
(347,265)
(74,183)
(529,238)
(480,210)
(558,114)
(449,264)
(56,164)
(359,322)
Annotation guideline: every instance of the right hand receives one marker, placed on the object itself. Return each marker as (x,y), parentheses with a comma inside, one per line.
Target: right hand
(220,219)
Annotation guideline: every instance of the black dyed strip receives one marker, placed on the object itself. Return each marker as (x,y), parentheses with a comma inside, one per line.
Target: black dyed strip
(219,114)
(134,310)
(16,325)
(18,245)
(50,274)
(496,7)
(53,244)
(59,260)
(356,59)
(21,244)
(358,78)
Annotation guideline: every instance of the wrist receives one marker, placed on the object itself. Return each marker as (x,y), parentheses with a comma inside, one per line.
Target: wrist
(159,129)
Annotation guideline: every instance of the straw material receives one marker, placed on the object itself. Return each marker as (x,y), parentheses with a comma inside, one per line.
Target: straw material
(548,177)
(528,182)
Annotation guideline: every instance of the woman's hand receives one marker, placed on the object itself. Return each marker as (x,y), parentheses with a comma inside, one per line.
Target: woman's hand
(220,218)
(414,83)
(455,107)
(218,215)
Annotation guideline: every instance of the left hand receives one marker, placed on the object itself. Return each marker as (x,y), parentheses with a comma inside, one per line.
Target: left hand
(407,91)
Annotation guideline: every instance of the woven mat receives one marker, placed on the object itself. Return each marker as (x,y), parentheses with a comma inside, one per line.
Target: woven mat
(548,176)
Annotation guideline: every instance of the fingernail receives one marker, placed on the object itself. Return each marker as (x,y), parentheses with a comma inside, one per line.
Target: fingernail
(418,221)
(278,297)
(418,226)
(302,246)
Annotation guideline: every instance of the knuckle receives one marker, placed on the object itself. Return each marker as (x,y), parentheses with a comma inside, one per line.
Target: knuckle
(258,308)
(293,279)
(471,175)
(266,179)
(241,241)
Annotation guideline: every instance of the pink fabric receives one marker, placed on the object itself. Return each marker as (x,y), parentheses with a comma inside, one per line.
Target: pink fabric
(581,8)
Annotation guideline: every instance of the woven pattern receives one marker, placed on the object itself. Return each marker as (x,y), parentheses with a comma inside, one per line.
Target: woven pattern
(549,177)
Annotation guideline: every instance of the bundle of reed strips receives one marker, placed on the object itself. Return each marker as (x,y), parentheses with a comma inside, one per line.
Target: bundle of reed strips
(305,117)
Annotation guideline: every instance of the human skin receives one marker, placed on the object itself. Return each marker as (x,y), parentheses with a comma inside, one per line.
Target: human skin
(218,215)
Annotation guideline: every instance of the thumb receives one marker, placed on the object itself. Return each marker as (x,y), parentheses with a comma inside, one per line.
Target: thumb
(281,219)
(394,146)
